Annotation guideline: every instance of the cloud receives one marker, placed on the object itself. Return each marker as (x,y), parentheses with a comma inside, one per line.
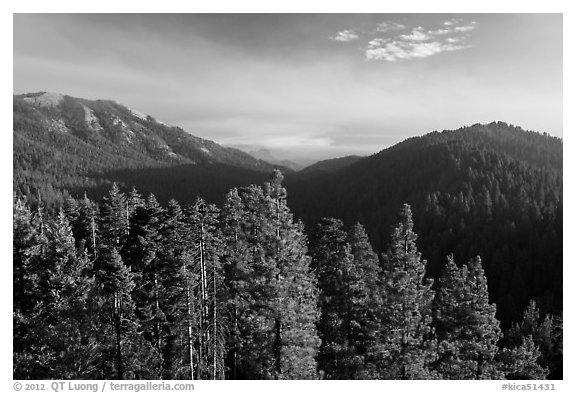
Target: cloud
(452,22)
(393,51)
(416,35)
(454,26)
(384,27)
(345,36)
(465,28)
(420,43)
(440,31)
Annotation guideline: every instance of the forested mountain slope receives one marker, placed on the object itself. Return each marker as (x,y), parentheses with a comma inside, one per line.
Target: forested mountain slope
(327,166)
(493,190)
(62,142)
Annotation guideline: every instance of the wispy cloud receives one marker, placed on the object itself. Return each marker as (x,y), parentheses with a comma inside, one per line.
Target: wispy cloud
(384,27)
(390,50)
(345,36)
(419,43)
(416,35)
(454,26)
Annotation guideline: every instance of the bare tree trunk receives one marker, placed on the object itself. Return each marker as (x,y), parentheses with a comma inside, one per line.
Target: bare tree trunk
(117,327)
(189,322)
(214,322)
(204,303)
(93,225)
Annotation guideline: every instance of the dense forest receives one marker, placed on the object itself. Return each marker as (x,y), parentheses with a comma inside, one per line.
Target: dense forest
(128,288)
(65,146)
(493,190)
(230,284)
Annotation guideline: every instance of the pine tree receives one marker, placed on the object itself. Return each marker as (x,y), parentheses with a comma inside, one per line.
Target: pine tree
(332,262)
(113,219)
(466,325)
(203,221)
(237,272)
(296,340)
(272,291)
(24,246)
(140,254)
(65,327)
(85,226)
(366,297)
(542,331)
(256,318)
(176,353)
(521,362)
(404,347)
(125,354)
(25,289)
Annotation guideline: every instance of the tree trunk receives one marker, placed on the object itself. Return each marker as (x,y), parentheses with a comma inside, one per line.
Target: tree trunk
(189,322)
(118,331)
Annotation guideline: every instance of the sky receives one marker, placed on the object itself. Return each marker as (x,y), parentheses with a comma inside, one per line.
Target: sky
(303,85)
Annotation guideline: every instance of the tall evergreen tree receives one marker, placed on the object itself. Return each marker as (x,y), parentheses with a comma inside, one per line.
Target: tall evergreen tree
(140,254)
(113,219)
(66,326)
(125,354)
(405,346)
(466,324)
(543,332)
(365,297)
(296,340)
(333,262)
(203,221)
(237,272)
(521,362)
(273,295)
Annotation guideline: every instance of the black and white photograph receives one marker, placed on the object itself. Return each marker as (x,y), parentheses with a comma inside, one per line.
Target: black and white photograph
(287,196)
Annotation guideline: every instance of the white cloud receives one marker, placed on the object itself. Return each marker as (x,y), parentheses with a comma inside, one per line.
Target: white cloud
(420,43)
(384,27)
(393,51)
(465,28)
(452,22)
(440,31)
(345,36)
(416,35)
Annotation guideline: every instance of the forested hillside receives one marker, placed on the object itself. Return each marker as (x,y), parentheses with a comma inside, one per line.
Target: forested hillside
(128,288)
(65,145)
(493,190)
(231,284)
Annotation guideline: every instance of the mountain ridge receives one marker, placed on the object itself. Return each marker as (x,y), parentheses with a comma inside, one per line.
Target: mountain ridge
(99,122)
(63,144)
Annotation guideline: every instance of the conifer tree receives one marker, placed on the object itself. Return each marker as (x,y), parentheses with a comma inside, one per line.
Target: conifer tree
(256,317)
(176,354)
(237,272)
(85,226)
(25,289)
(140,253)
(66,327)
(113,220)
(203,220)
(23,249)
(542,331)
(405,346)
(273,295)
(333,262)
(366,297)
(296,313)
(521,362)
(466,324)
(126,355)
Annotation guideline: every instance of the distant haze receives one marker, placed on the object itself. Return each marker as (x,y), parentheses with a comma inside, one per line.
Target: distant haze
(303,86)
